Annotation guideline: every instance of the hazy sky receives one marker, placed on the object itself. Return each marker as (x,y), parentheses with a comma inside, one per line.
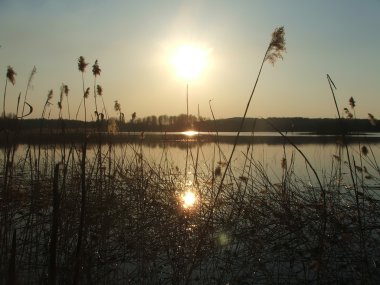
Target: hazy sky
(134,42)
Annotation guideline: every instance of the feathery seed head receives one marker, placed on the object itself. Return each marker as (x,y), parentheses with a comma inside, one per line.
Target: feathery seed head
(50,95)
(117,106)
(276,46)
(82,64)
(62,89)
(372,119)
(351,101)
(86,93)
(99,90)
(66,89)
(11,75)
(96,69)
(348,113)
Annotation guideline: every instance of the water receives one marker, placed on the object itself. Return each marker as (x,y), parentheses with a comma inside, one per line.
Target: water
(138,231)
(187,152)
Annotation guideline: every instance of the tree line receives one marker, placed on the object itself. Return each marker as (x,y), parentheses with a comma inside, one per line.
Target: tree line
(182,122)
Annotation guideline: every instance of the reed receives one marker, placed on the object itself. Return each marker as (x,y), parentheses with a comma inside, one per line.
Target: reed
(28,86)
(274,51)
(10,77)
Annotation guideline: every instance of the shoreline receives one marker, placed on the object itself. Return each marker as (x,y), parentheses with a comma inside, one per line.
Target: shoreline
(43,138)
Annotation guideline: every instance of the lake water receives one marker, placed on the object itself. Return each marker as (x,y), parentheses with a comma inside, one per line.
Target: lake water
(182,151)
(323,157)
(138,230)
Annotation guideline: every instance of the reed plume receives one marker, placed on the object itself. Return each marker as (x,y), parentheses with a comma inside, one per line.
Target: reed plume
(352,102)
(134,115)
(96,72)
(372,119)
(47,102)
(117,106)
(277,46)
(86,93)
(96,69)
(82,64)
(60,100)
(11,76)
(99,91)
(66,92)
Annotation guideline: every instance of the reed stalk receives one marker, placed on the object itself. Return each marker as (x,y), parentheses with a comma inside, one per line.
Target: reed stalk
(31,76)
(12,262)
(79,246)
(11,76)
(52,269)
(274,51)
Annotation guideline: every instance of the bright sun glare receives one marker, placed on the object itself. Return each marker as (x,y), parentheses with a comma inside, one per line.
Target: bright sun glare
(189,199)
(189,61)
(190,133)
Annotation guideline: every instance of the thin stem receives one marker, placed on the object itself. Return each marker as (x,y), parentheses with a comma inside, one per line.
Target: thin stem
(84,103)
(96,105)
(68,107)
(27,89)
(331,83)
(5,92)
(239,131)
(104,107)
(187,104)
(80,104)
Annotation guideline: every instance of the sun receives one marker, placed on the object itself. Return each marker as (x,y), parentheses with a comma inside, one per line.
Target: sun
(189,61)
(188,199)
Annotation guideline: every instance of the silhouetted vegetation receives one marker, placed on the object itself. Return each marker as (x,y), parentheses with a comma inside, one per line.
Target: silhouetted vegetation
(178,123)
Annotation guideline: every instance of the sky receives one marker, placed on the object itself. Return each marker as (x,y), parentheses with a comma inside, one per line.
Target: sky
(135,41)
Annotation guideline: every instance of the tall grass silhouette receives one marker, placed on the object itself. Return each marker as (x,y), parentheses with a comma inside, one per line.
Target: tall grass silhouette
(10,77)
(274,51)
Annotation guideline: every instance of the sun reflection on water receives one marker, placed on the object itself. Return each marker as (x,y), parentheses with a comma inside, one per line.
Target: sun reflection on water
(190,133)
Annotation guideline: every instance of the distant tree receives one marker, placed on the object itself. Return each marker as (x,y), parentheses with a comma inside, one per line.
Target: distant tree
(163,120)
(154,121)
(172,120)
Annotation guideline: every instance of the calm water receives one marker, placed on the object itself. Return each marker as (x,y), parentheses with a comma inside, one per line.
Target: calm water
(321,156)
(205,156)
